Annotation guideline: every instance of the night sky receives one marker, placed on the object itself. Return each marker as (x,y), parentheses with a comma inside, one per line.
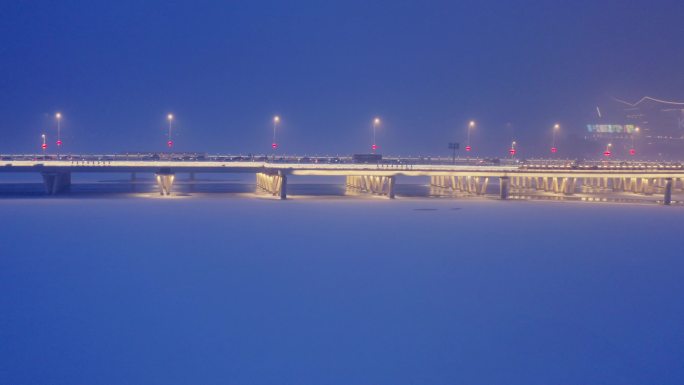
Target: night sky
(114,69)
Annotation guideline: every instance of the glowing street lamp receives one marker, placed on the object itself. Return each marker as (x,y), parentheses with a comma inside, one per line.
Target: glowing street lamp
(556,127)
(274,144)
(169,143)
(632,151)
(471,125)
(376,122)
(512,150)
(608,153)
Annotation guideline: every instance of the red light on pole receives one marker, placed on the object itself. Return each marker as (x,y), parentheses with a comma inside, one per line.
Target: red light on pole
(468,148)
(554,150)
(608,153)
(274,146)
(43,146)
(512,151)
(374,147)
(632,151)
(59,143)
(169,143)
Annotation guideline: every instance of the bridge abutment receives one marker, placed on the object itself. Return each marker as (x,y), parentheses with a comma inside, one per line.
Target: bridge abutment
(56,182)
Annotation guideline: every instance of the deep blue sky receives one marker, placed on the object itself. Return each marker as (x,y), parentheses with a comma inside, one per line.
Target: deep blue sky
(116,68)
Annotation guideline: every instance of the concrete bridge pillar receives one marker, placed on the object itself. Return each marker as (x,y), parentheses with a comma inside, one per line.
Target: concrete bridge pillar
(165,182)
(382,185)
(667,198)
(275,184)
(476,185)
(504,187)
(646,186)
(439,181)
(390,186)
(538,183)
(56,182)
(569,186)
(616,184)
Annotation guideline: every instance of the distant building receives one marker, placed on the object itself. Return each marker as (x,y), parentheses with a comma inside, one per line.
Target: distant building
(656,125)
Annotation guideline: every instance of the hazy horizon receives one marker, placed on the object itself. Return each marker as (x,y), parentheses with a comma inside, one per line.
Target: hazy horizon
(114,70)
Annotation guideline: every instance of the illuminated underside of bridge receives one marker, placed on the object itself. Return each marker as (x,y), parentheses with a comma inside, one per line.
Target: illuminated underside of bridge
(380,179)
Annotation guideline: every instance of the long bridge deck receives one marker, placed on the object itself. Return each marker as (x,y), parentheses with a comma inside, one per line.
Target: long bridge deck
(551,176)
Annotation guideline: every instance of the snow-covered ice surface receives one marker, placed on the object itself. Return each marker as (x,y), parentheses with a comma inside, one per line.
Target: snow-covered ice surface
(215,289)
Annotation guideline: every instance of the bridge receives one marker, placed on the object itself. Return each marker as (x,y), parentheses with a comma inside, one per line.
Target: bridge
(471,176)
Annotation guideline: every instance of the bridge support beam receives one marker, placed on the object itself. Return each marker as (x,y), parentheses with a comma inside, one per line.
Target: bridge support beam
(165,182)
(568,186)
(378,185)
(56,182)
(504,187)
(667,198)
(273,183)
(471,184)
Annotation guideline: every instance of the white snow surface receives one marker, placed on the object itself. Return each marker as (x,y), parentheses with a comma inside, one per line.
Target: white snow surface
(212,289)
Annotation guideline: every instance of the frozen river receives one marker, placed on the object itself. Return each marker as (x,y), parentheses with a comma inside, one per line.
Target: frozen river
(215,289)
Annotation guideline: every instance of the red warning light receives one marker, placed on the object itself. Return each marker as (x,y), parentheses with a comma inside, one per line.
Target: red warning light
(274,146)
(511,151)
(169,143)
(632,151)
(607,153)
(374,147)
(59,143)
(43,146)
(554,150)
(468,148)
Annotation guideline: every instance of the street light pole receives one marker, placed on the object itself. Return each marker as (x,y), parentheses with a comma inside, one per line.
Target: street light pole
(608,153)
(44,145)
(556,127)
(376,122)
(632,151)
(274,144)
(59,135)
(512,149)
(471,125)
(169,143)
